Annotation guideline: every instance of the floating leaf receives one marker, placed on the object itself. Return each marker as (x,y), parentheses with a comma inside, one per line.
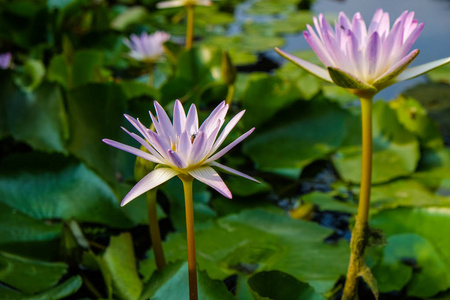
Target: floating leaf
(55,187)
(29,276)
(257,240)
(26,236)
(37,118)
(119,263)
(395,150)
(172,283)
(429,250)
(298,135)
(67,288)
(277,285)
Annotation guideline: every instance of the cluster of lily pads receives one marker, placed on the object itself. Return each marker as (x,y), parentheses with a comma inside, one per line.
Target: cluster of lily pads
(74,68)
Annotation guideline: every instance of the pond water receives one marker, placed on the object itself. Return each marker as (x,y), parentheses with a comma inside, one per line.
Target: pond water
(434,41)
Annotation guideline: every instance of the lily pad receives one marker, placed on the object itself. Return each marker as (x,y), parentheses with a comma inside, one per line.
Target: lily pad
(280,286)
(55,187)
(298,135)
(29,276)
(172,283)
(23,235)
(431,249)
(395,149)
(119,265)
(37,118)
(257,240)
(65,289)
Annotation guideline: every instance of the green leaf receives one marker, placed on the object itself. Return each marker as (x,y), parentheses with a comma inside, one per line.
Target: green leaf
(434,167)
(29,276)
(93,120)
(257,240)
(277,285)
(119,263)
(55,187)
(67,288)
(26,236)
(404,192)
(265,96)
(395,150)
(426,244)
(132,15)
(413,117)
(172,283)
(37,118)
(298,135)
(326,202)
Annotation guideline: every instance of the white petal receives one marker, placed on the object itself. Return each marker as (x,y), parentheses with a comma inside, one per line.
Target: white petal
(223,135)
(153,179)
(208,176)
(311,68)
(211,121)
(164,121)
(233,171)
(179,118)
(192,120)
(229,147)
(145,144)
(419,70)
(132,150)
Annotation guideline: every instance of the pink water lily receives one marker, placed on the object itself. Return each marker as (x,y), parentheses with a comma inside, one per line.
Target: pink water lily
(182,147)
(147,47)
(364,58)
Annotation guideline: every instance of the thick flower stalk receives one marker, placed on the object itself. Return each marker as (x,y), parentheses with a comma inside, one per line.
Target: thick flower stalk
(182,148)
(147,47)
(364,60)
(189,4)
(5,60)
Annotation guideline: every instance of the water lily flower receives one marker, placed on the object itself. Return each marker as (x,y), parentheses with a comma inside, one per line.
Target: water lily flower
(147,48)
(176,3)
(364,60)
(183,148)
(5,60)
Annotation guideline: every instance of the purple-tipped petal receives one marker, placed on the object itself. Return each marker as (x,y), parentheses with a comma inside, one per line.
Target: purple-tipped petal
(211,121)
(208,176)
(176,159)
(198,147)
(386,78)
(311,68)
(232,171)
(152,180)
(226,131)
(132,150)
(145,144)
(229,147)
(192,120)
(164,121)
(179,118)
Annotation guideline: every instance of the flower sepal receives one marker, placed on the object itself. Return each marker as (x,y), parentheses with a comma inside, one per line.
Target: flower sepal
(348,81)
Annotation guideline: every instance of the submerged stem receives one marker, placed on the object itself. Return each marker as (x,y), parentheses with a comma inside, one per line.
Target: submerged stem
(360,232)
(155,234)
(190,26)
(192,265)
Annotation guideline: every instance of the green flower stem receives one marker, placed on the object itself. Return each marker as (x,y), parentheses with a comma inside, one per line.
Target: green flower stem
(155,234)
(360,232)
(230,94)
(190,26)
(192,265)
